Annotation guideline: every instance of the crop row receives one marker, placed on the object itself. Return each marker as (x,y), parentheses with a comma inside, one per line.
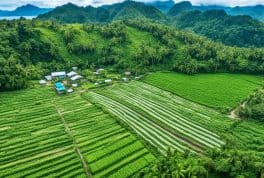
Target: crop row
(104,143)
(167,115)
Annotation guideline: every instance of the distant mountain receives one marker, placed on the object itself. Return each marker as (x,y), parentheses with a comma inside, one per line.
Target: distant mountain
(26,10)
(256,12)
(132,9)
(71,13)
(163,6)
(242,31)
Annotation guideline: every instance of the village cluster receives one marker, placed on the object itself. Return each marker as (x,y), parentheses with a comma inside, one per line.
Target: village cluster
(64,82)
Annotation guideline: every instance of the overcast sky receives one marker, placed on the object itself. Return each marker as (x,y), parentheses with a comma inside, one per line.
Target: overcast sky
(12,4)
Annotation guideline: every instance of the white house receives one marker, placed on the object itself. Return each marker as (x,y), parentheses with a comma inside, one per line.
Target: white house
(127,73)
(48,77)
(71,74)
(76,77)
(108,81)
(125,79)
(74,68)
(42,82)
(58,74)
(70,90)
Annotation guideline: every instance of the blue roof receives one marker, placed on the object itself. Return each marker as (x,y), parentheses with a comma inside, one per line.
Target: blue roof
(59,86)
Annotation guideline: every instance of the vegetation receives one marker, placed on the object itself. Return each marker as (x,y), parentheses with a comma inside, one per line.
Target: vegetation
(137,46)
(217,25)
(253,108)
(71,13)
(58,132)
(221,91)
(215,163)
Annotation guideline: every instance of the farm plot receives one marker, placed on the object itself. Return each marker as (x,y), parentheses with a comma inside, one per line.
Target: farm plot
(221,91)
(109,149)
(33,142)
(160,118)
(46,135)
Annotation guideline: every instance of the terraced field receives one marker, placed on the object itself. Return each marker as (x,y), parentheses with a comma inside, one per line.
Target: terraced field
(161,118)
(44,135)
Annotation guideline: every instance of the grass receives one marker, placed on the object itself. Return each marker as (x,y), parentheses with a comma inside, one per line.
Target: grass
(35,141)
(222,91)
(179,123)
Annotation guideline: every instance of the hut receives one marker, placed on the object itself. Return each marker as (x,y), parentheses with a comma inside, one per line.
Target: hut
(76,77)
(108,81)
(42,82)
(125,79)
(71,74)
(61,74)
(70,90)
(74,68)
(48,77)
(59,87)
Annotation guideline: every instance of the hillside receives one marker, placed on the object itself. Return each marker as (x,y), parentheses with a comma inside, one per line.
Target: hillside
(218,25)
(256,12)
(163,6)
(71,13)
(26,10)
(137,46)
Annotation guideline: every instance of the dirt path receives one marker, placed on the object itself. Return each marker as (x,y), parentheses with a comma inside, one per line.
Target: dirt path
(233,114)
(86,168)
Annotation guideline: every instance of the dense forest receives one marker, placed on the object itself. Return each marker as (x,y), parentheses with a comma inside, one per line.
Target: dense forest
(241,31)
(253,107)
(217,25)
(32,48)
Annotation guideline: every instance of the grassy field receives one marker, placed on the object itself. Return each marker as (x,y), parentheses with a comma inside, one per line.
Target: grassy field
(45,135)
(162,119)
(223,91)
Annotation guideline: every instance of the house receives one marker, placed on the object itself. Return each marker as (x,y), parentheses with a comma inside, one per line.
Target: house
(71,74)
(108,81)
(75,85)
(74,68)
(125,79)
(76,77)
(42,82)
(48,77)
(70,90)
(99,71)
(127,73)
(59,87)
(61,74)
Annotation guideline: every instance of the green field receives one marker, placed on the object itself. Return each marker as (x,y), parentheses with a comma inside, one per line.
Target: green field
(162,119)
(45,135)
(222,91)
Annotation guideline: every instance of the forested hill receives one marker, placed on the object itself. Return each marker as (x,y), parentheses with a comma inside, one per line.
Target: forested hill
(218,25)
(256,12)
(71,13)
(26,10)
(30,49)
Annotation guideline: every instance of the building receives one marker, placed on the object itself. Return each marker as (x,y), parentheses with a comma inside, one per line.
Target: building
(61,74)
(125,79)
(75,85)
(70,90)
(48,77)
(42,82)
(127,73)
(76,77)
(59,87)
(71,74)
(108,81)
(74,68)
